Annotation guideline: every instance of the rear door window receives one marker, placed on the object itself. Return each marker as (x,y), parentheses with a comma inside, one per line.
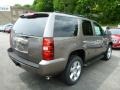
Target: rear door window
(30,26)
(87,28)
(65,26)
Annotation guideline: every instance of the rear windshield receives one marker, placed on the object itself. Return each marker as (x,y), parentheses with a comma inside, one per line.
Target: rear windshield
(31,27)
(115,31)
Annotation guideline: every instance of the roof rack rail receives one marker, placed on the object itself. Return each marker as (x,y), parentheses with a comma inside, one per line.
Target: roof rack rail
(80,15)
(72,14)
(58,12)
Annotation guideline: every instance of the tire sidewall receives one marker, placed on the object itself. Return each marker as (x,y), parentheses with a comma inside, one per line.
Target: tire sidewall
(106,55)
(72,59)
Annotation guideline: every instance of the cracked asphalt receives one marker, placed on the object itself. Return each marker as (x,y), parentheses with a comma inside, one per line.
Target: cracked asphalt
(102,75)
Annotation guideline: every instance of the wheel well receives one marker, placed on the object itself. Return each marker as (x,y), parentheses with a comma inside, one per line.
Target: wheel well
(80,53)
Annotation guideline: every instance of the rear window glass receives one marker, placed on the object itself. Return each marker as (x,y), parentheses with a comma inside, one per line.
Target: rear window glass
(65,26)
(32,26)
(87,28)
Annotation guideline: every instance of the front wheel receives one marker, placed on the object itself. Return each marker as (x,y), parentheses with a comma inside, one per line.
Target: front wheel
(73,70)
(108,53)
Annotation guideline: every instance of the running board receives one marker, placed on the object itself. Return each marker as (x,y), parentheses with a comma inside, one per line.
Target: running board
(93,60)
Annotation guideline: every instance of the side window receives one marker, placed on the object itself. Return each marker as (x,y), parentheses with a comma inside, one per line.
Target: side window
(65,26)
(87,28)
(98,29)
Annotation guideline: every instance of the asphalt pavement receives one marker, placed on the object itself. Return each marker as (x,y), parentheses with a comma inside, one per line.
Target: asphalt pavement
(102,75)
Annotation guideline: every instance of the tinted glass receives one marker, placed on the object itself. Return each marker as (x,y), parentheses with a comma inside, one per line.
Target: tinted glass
(115,31)
(33,27)
(87,28)
(65,26)
(98,29)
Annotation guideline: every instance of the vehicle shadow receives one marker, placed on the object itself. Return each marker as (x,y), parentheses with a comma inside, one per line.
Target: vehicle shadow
(92,78)
(115,49)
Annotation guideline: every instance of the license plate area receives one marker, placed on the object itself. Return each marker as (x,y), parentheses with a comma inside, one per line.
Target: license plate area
(20,44)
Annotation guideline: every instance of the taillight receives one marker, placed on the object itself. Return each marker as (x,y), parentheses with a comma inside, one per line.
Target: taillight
(48,48)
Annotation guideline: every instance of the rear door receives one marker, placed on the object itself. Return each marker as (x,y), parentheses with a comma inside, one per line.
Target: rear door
(88,39)
(27,36)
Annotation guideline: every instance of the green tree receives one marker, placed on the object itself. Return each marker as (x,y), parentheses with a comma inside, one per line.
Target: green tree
(43,5)
(67,6)
(58,5)
(109,11)
(105,11)
(18,5)
(27,6)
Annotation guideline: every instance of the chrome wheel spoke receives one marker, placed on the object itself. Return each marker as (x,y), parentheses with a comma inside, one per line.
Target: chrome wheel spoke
(71,76)
(75,71)
(72,69)
(109,53)
(75,77)
(78,73)
(78,67)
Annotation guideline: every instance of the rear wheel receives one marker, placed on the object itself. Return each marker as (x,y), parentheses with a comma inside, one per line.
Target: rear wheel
(108,53)
(73,70)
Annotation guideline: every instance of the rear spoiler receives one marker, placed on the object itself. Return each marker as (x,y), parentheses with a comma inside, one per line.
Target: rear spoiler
(34,15)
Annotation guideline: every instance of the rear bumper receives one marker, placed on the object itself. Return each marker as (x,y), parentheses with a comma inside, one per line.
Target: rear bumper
(44,68)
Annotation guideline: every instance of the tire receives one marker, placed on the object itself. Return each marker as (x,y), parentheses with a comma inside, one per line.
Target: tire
(73,70)
(108,53)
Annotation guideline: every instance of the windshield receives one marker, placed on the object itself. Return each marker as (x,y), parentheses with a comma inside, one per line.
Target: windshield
(115,31)
(31,27)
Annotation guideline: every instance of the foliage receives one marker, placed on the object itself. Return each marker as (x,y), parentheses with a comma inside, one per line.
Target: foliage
(105,11)
(43,5)
(18,5)
(27,6)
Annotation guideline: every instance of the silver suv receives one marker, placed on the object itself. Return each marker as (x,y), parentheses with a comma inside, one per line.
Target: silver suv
(56,43)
